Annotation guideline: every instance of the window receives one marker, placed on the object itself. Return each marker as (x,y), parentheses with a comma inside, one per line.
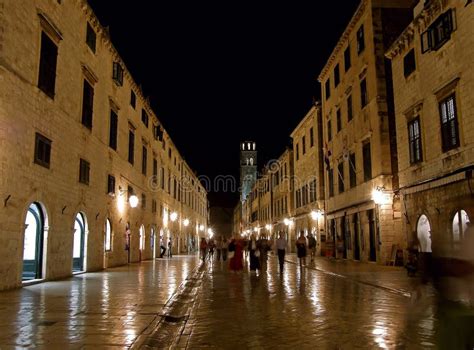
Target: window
(153,206)
(131,147)
(87,104)
(47,65)
(336,75)
(367,161)
(297,151)
(360,40)
(414,140)
(347,58)
(133,99)
(438,33)
(144,160)
(331,182)
(113,130)
(303,144)
(162,177)
(349,108)
(364,99)
(449,123)
(340,170)
(312,191)
(110,184)
(328,88)
(169,153)
(311,137)
(155,171)
(143,201)
(90,37)
(409,65)
(329,130)
(352,170)
(338,120)
(108,236)
(144,118)
(117,74)
(42,151)
(84,170)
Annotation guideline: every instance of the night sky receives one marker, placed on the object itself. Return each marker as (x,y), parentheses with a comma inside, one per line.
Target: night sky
(218,73)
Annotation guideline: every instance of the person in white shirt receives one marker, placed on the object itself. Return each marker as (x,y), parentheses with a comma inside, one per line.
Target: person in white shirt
(281,244)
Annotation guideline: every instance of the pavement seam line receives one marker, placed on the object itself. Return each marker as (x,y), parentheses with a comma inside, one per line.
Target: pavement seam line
(387,289)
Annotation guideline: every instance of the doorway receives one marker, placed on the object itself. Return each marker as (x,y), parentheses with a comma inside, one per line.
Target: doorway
(355,222)
(344,237)
(423,232)
(372,229)
(142,242)
(79,243)
(33,243)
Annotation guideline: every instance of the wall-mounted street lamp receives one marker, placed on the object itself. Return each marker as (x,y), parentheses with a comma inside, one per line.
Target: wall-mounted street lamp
(210,232)
(379,196)
(132,200)
(174,216)
(186,222)
(316,214)
(201,227)
(268,227)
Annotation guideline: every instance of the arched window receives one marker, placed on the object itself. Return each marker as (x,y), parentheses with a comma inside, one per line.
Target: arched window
(251,161)
(108,236)
(142,237)
(423,231)
(248,146)
(254,146)
(460,222)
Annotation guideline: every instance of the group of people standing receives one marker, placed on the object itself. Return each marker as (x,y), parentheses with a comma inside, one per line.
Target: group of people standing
(256,250)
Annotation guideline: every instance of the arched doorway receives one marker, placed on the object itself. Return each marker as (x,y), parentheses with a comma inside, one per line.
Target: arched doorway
(142,242)
(128,241)
(79,243)
(34,247)
(460,223)
(153,242)
(423,232)
(107,241)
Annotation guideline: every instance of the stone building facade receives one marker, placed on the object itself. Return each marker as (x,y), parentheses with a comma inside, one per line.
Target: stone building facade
(78,142)
(359,132)
(433,83)
(308,179)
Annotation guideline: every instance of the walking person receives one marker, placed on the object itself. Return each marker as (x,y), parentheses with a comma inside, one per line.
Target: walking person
(170,255)
(211,246)
(236,262)
(281,244)
(219,244)
(301,248)
(312,246)
(225,247)
(162,247)
(254,253)
(203,248)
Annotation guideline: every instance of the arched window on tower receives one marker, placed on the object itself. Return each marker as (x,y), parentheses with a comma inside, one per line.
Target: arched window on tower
(251,161)
(248,144)
(254,146)
(247,160)
(243,147)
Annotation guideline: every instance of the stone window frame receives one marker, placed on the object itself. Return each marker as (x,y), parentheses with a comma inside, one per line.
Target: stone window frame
(445,91)
(413,112)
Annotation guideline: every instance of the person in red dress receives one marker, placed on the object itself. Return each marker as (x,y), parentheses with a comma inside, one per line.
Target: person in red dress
(236,262)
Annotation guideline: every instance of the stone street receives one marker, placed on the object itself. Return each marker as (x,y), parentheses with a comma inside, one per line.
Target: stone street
(181,303)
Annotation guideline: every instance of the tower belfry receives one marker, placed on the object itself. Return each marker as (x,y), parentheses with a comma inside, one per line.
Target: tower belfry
(248,168)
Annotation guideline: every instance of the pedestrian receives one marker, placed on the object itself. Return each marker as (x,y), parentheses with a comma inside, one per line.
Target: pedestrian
(254,253)
(301,248)
(225,248)
(312,246)
(211,246)
(237,247)
(219,245)
(162,247)
(170,255)
(203,248)
(281,244)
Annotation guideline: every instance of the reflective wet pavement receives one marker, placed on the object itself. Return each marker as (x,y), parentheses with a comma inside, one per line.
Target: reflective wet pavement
(179,304)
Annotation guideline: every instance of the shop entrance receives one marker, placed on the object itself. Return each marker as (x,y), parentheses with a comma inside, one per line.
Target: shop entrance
(79,243)
(33,243)
(355,221)
(372,242)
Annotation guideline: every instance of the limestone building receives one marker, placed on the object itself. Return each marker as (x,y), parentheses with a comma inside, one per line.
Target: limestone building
(79,145)
(308,179)
(433,81)
(363,217)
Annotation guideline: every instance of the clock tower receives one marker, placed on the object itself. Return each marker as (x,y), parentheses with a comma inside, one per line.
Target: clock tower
(248,168)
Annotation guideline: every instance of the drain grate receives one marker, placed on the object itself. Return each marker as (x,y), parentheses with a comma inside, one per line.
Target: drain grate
(174,319)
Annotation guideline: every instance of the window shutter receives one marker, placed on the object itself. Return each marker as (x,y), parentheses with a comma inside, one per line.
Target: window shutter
(425,41)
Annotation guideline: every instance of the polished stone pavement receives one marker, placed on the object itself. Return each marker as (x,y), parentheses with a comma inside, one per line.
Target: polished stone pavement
(181,303)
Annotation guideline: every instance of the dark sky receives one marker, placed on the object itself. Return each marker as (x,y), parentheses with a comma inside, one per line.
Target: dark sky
(221,72)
